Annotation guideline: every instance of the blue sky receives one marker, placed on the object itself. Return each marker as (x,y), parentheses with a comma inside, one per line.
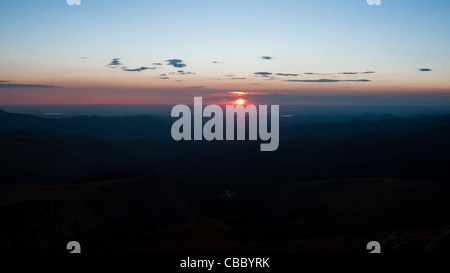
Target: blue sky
(43,42)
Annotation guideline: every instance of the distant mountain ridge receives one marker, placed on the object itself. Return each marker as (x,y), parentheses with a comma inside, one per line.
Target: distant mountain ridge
(404,148)
(126,128)
(330,131)
(109,128)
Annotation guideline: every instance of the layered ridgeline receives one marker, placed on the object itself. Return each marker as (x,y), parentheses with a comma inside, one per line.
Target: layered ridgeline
(158,128)
(41,150)
(108,128)
(113,182)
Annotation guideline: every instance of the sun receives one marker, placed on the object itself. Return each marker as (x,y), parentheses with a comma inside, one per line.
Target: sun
(239,102)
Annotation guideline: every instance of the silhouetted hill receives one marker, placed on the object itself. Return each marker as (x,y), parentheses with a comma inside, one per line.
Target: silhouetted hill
(329,131)
(32,156)
(331,180)
(418,154)
(321,216)
(109,128)
(158,129)
(46,218)
(372,205)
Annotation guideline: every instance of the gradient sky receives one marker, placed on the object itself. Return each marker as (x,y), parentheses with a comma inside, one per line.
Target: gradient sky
(324,52)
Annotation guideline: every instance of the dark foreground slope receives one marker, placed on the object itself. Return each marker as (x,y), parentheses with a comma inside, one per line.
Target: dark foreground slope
(44,218)
(150,214)
(320,216)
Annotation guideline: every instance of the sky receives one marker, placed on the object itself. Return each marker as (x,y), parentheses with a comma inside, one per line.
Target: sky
(321,52)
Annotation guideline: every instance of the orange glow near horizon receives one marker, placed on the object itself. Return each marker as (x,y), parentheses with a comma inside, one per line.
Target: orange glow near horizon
(239,102)
(238,93)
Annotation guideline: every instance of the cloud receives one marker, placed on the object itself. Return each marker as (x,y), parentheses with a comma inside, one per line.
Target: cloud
(17,85)
(332,98)
(238,78)
(216,62)
(239,93)
(341,73)
(263,74)
(199,86)
(286,75)
(424,70)
(84,58)
(164,78)
(356,73)
(229,76)
(157,64)
(4,81)
(138,69)
(329,80)
(176,63)
(182,72)
(115,63)
(311,73)
(266,58)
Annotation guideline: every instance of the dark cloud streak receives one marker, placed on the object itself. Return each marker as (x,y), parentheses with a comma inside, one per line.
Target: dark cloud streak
(17,85)
(182,72)
(138,69)
(176,63)
(263,74)
(329,80)
(115,63)
(357,73)
(286,75)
